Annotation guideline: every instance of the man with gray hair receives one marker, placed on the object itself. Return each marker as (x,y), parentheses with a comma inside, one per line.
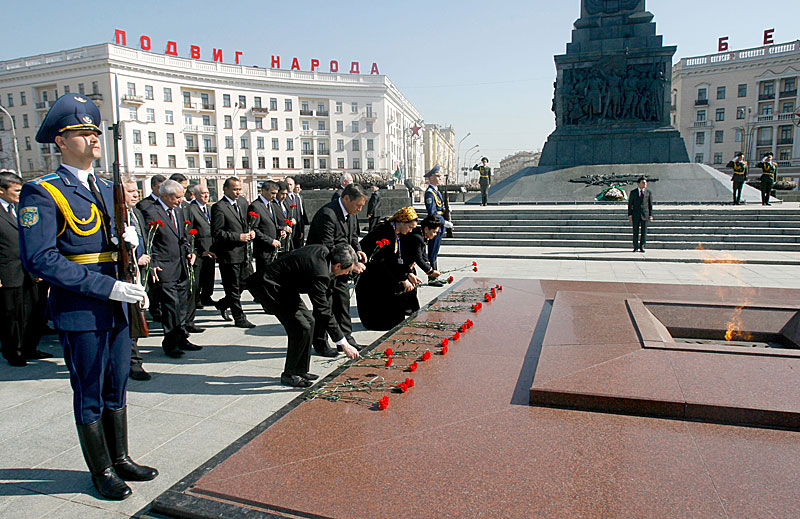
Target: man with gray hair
(345,180)
(310,270)
(199,214)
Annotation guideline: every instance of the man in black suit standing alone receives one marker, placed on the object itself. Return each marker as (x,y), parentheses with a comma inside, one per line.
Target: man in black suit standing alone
(170,260)
(640,212)
(311,270)
(200,215)
(229,229)
(336,223)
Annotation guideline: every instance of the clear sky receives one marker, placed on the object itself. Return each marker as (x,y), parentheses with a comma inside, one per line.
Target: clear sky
(484,67)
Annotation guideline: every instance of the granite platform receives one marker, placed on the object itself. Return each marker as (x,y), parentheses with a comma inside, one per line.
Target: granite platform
(465,441)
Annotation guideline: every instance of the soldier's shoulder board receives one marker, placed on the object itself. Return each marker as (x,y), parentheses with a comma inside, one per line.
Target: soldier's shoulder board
(45,178)
(104,181)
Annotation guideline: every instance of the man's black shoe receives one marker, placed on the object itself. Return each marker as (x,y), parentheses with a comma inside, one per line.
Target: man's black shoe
(188,346)
(192,328)
(635,250)
(175,354)
(17,361)
(39,354)
(242,322)
(641,250)
(328,352)
(308,376)
(207,302)
(223,311)
(199,306)
(294,381)
(436,283)
(139,374)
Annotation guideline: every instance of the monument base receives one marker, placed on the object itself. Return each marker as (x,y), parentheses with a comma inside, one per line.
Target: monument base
(613,146)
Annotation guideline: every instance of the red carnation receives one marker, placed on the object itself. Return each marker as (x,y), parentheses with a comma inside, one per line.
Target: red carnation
(444,342)
(379,244)
(385,241)
(470,323)
(153,223)
(388,352)
(293,206)
(474,263)
(383,403)
(410,382)
(499,287)
(488,297)
(253,214)
(450,279)
(456,336)
(193,231)
(462,328)
(494,293)
(288,222)
(388,362)
(187,222)
(475,269)
(403,387)
(426,355)
(412,366)
(475,307)
(160,223)
(444,350)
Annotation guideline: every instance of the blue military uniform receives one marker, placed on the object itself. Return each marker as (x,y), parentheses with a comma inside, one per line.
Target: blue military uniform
(65,238)
(434,204)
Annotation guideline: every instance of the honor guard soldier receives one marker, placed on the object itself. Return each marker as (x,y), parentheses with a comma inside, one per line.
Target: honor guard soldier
(739,167)
(434,204)
(67,239)
(485,179)
(769,175)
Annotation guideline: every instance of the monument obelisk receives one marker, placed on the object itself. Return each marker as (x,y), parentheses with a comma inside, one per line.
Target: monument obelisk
(613,91)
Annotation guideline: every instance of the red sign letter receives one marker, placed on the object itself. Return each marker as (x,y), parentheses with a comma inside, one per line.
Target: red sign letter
(144,42)
(119,34)
(314,64)
(172,48)
(217,55)
(334,66)
(194,51)
(374,69)
(295,64)
(238,53)
(768,36)
(354,68)
(276,62)
(723,44)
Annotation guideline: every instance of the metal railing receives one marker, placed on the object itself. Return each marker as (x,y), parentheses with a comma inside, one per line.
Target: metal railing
(788,93)
(127,98)
(306,112)
(260,110)
(700,102)
(322,113)
(192,149)
(766,96)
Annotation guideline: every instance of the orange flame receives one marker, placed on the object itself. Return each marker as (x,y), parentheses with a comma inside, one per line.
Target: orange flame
(734,326)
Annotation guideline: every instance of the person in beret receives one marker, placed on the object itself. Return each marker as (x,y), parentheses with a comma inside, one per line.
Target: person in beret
(67,238)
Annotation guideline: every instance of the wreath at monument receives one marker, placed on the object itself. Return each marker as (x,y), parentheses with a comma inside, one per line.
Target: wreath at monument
(613,193)
(331,180)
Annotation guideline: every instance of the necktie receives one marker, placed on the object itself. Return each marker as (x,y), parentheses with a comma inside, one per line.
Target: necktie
(238,212)
(96,193)
(171,213)
(12,210)
(205,213)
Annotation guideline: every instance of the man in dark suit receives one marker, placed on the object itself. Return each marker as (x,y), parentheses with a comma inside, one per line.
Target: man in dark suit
(296,203)
(374,211)
(640,212)
(345,180)
(336,223)
(152,289)
(231,235)
(311,270)
(200,216)
(285,217)
(267,242)
(18,292)
(171,258)
(183,180)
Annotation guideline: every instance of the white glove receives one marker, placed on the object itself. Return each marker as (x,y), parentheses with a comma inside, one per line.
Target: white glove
(448,224)
(130,236)
(127,292)
(146,304)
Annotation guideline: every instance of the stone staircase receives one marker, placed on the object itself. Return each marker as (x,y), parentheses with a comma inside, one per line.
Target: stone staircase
(690,227)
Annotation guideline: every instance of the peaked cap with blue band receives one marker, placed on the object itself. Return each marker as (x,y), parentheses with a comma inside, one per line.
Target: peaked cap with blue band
(434,171)
(69,112)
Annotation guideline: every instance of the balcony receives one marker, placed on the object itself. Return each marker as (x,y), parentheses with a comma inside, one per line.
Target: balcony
(322,113)
(210,149)
(373,115)
(132,99)
(701,124)
(765,118)
(307,112)
(764,143)
(307,151)
(192,149)
(315,133)
(785,140)
(44,105)
(199,128)
(788,116)
(701,102)
(766,96)
(207,106)
(323,151)
(260,110)
(788,93)
(96,97)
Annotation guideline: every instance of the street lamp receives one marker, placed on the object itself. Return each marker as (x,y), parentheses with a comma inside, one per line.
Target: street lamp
(14,137)
(466,152)
(458,151)
(233,135)
(468,158)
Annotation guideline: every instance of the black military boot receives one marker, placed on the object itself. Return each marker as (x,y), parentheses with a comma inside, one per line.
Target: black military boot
(95,452)
(115,424)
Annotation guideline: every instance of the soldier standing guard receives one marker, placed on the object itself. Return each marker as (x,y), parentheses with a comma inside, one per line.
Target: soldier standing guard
(485,179)
(769,175)
(739,167)
(434,204)
(66,238)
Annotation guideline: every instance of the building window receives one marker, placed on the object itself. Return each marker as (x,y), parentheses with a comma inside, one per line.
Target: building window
(273,103)
(323,163)
(370,163)
(137,137)
(354,125)
(151,138)
(289,144)
(22,99)
(307,148)
(289,125)
(226,100)
(338,107)
(228,142)
(356,163)
(206,120)
(190,145)
(306,163)
(209,161)
(339,144)
(701,115)
(305,125)
(273,123)
(95,87)
(2,123)
(275,144)
(720,114)
(354,108)
(370,145)
(260,143)
(242,122)
(339,126)
(290,163)
(131,89)
(28,143)
(66,89)
(356,145)
(170,139)
(769,88)
(369,127)
(171,162)
(276,163)
(718,136)
(187,119)
(698,157)
(168,117)
(700,139)
(262,163)
(321,125)
(785,134)
(151,115)
(245,162)
(148,92)
(242,102)
(229,162)
(187,99)
(785,154)
(721,92)
(228,122)
(167,95)
(80,88)
(340,163)
(789,85)
(244,143)
(740,111)
(154,160)
(788,107)
(137,159)
(766,109)
(259,123)
(257,102)
(718,158)
(287,105)
(24,120)
(743,90)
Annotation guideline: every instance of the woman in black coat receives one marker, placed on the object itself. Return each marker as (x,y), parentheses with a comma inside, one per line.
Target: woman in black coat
(415,250)
(386,290)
